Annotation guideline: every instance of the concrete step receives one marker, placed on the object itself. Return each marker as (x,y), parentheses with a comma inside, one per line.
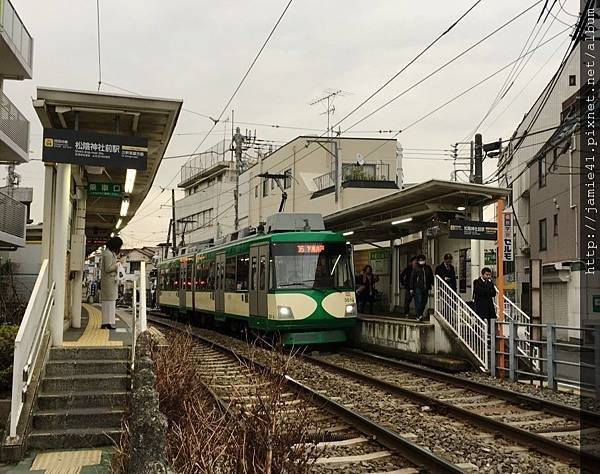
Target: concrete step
(78,438)
(90,353)
(83,399)
(78,383)
(84,366)
(78,418)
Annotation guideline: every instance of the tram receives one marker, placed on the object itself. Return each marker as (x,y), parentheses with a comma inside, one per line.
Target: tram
(291,278)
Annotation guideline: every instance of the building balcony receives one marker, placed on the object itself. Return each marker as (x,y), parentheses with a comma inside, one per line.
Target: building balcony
(13,216)
(14,132)
(372,175)
(16,45)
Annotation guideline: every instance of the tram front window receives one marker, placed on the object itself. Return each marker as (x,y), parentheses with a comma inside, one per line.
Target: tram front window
(312,265)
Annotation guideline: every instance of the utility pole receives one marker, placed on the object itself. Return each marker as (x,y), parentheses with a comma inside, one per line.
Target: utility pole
(238,141)
(174,222)
(478,160)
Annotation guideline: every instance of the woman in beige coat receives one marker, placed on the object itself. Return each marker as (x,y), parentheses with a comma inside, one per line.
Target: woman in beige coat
(109,283)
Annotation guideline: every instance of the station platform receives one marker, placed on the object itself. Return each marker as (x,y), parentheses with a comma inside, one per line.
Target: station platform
(90,334)
(82,461)
(424,342)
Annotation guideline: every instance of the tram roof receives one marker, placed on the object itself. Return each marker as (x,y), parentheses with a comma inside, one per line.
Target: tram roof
(148,117)
(435,199)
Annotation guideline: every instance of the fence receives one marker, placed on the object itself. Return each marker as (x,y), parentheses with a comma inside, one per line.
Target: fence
(573,362)
(13,123)
(28,342)
(463,321)
(13,215)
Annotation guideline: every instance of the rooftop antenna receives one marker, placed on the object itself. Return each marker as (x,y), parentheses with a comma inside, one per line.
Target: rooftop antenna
(328,98)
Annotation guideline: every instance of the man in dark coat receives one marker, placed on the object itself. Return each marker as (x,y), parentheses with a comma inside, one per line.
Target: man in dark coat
(405,281)
(446,272)
(421,281)
(483,295)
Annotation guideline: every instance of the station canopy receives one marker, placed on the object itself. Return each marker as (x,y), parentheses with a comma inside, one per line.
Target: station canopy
(147,117)
(431,204)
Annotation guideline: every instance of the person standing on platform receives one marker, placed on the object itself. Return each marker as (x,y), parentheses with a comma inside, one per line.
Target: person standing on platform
(109,282)
(405,282)
(484,292)
(446,272)
(366,291)
(421,281)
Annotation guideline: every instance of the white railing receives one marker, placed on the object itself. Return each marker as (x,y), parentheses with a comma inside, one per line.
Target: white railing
(513,313)
(138,315)
(28,342)
(464,322)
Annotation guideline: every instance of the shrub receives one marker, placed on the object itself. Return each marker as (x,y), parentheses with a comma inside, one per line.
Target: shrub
(8,333)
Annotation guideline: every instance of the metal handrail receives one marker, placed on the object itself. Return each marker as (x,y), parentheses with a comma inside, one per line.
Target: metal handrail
(28,342)
(464,322)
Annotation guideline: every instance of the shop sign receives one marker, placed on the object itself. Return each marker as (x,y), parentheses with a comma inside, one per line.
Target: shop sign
(107,190)
(94,149)
(508,255)
(473,230)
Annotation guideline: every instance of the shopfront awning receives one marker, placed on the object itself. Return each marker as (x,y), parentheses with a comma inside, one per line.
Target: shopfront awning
(151,118)
(418,207)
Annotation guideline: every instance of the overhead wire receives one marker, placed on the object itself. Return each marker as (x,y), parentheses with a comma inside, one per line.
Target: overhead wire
(98,35)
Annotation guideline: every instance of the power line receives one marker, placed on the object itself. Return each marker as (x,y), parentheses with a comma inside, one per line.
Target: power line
(406,66)
(443,66)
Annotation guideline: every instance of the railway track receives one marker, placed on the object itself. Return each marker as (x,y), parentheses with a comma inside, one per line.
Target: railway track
(349,442)
(461,435)
(546,426)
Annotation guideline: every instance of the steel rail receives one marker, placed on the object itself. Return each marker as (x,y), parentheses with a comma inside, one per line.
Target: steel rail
(586,417)
(544,445)
(391,440)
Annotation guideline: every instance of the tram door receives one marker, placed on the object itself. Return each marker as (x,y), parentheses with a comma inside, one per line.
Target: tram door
(220,284)
(259,280)
(183,276)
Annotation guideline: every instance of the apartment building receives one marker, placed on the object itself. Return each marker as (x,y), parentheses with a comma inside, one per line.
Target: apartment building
(16,63)
(526,144)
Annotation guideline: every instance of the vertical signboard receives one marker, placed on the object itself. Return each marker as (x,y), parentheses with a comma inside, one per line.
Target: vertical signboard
(507,238)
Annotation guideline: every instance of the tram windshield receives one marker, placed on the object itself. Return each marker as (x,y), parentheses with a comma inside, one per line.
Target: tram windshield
(311,265)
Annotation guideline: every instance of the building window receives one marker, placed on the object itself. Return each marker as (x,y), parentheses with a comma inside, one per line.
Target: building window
(134,267)
(255,191)
(265,186)
(542,171)
(230,274)
(572,80)
(555,225)
(287,182)
(543,235)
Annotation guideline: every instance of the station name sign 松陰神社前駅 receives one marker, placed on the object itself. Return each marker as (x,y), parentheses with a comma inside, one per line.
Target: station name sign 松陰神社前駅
(474,230)
(94,149)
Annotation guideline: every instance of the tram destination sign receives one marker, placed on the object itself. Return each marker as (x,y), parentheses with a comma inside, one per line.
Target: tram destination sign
(94,149)
(473,230)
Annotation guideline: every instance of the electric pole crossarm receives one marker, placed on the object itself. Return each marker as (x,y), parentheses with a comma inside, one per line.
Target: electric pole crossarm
(277,178)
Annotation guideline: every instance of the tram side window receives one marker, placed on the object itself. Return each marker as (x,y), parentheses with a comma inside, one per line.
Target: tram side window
(241,283)
(190,274)
(262,273)
(253,274)
(201,276)
(230,274)
(210,279)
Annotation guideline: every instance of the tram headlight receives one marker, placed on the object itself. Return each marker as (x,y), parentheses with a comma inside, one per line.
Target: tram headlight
(284,312)
(350,310)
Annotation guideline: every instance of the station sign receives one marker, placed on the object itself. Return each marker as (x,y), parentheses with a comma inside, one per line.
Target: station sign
(507,238)
(94,149)
(107,190)
(473,230)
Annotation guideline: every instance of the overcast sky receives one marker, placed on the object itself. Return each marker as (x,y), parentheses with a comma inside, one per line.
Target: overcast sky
(198,51)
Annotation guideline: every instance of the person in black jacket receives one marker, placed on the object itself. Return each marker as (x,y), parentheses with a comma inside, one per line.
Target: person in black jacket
(483,295)
(421,281)
(405,281)
(446,272)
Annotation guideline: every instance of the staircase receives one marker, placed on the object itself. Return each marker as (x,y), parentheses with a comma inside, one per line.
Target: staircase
(83,398)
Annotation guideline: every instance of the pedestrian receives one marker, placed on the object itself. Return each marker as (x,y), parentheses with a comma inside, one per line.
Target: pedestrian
(446,272)
(365,283)
(421,281)
(109,282)
(484,292)
(405,282)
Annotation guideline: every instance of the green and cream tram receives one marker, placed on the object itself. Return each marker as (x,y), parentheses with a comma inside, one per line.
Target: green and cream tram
(297,283)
